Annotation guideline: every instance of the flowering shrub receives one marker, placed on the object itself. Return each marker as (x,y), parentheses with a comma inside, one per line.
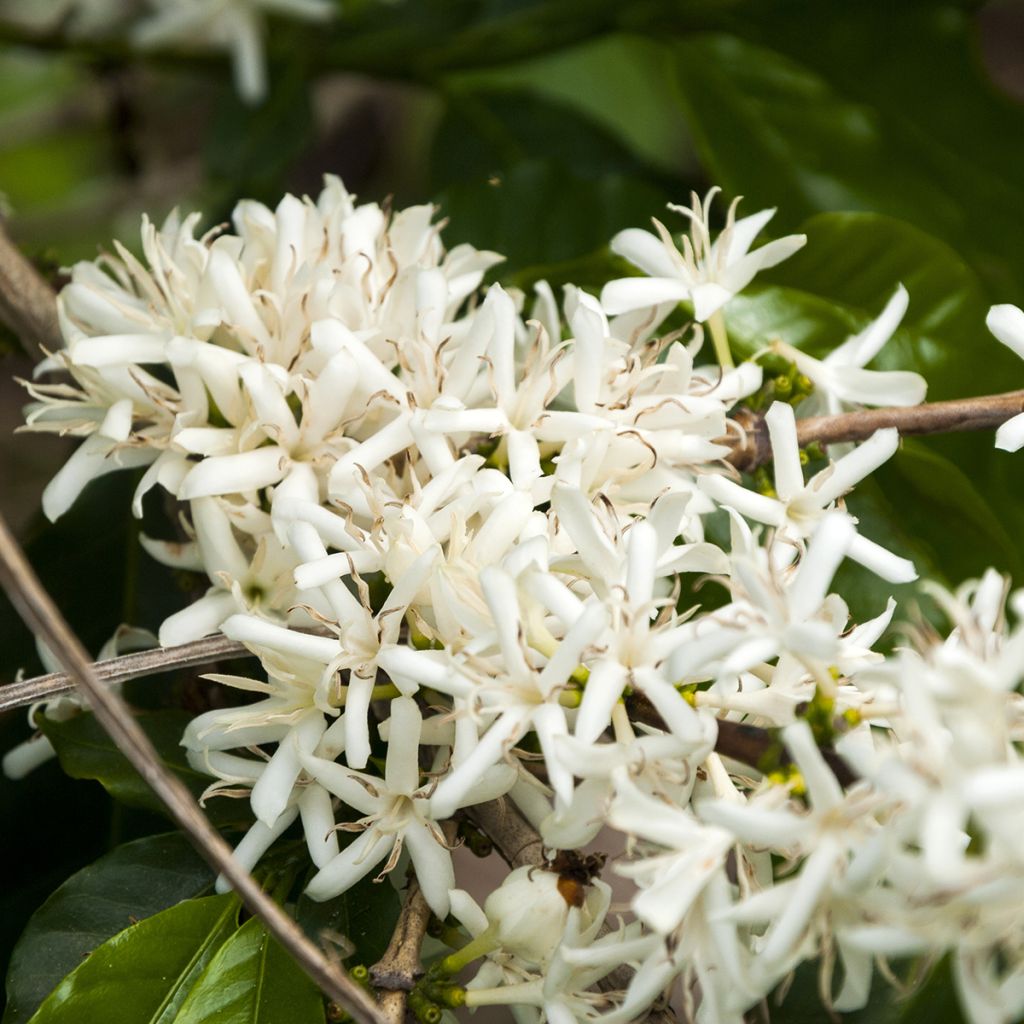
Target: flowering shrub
(467,521)
(573,624)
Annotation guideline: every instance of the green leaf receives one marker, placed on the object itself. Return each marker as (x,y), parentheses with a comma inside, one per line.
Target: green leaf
(801,107)
(361,919)
(637,105)
(249,149)
(252,980)
(144,974)
(133,882)
(87,752)
(935,1001)
(499,193)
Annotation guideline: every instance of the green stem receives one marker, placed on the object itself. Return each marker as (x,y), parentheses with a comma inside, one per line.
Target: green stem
(480,946)
(720,339)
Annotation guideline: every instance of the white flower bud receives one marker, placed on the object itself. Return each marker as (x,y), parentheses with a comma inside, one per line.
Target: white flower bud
(529,913)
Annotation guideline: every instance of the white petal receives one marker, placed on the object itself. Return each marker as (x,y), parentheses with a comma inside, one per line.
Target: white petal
(402,768)
(317,813)
(881,561)
(232,474)
(199,619)
(835,481)
(255,843)
(357,860)
(1010,436)
(1006,322)
(629,293)
(644,250)
(789,474)
(433,864)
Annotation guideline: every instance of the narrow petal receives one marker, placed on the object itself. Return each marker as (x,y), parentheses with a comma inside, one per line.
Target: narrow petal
(356,861)
(881,561)
(402,768)
(644,250)
(789,474)
(433,864)
(629,293)
(841,476)
(1006,322)
(231,474)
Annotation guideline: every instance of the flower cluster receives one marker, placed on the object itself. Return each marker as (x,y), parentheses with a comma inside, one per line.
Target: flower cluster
(462,528)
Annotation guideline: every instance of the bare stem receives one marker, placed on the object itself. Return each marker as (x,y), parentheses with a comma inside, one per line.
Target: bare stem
(986,412)
(398,970)
(121,669)
(39,612)
(28,305)
(515,839)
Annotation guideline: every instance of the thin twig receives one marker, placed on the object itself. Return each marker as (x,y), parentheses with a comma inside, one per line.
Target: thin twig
(123,668)
(39,612)
(986,412)
(28,305)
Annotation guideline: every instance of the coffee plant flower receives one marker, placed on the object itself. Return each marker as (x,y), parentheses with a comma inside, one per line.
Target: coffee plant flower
(469,532)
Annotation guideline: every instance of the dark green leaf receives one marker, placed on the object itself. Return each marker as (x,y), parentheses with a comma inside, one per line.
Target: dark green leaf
(934,1001)
(133,882)
(535,181)
(87,752)
(144,974)
(361,919)
(252,980)
(802,108)
(250,148)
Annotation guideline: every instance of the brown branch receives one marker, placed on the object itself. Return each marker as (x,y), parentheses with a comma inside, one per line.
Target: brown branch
(39,612)
(748,744)
(121,669)
(986,412)
(398,970)
(28,305)
(514,838)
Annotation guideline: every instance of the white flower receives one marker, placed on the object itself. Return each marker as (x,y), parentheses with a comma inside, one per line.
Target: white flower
(397,815)
(840,380)
(799,505)
(1006,322)
(706,273)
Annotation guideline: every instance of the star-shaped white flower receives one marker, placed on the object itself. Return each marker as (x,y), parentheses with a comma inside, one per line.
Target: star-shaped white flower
(707,273)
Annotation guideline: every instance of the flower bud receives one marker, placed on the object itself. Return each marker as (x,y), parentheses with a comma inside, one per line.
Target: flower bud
(529,913)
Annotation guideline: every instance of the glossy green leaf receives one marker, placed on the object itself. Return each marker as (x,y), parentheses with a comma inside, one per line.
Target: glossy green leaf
(144,974)
(131,883)
(637,105)
(87,752)
(252,980)
(800,107)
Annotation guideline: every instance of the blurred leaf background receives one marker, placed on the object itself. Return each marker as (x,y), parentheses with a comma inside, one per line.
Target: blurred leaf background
(893,132)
